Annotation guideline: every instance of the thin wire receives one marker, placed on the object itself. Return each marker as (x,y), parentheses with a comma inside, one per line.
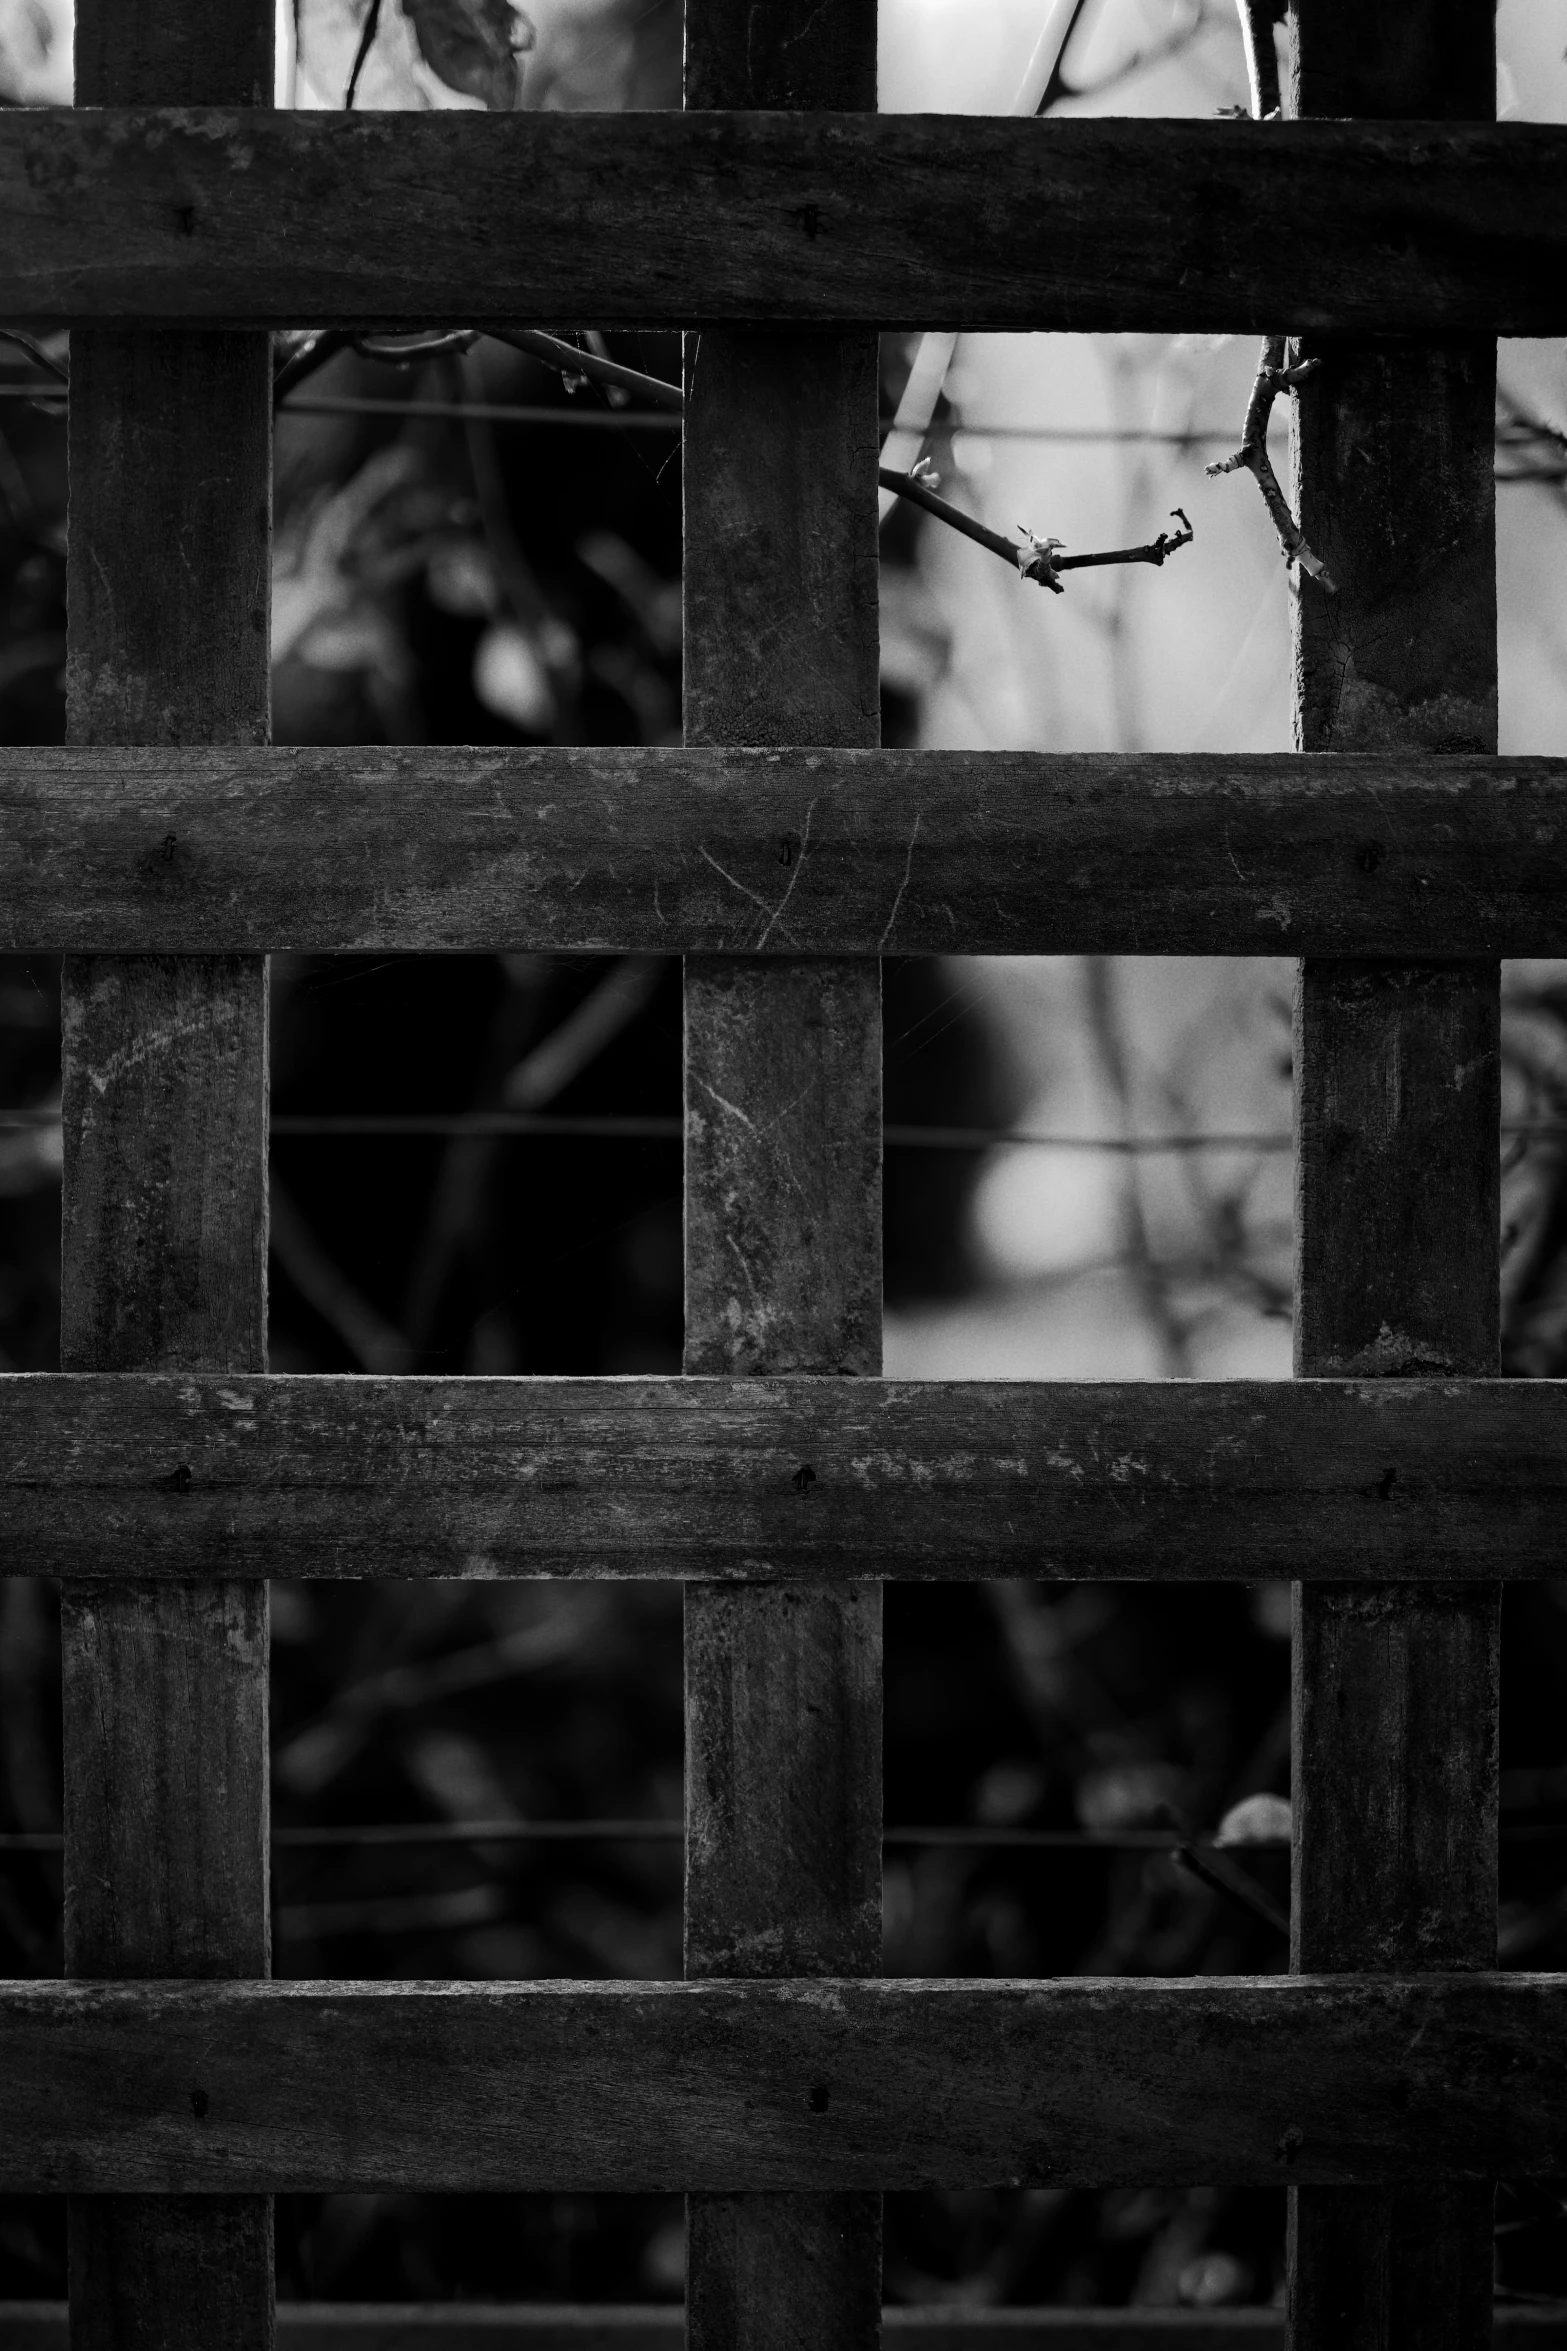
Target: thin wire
(960,1837)
(510,412)
(896,1136)
(572,361)
(486,411)
(409,1834)
(486,1122)
(670,1130)
(290,1127)
(643,420)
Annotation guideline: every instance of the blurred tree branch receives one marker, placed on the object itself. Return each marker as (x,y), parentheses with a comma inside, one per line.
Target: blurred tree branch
(370,1339)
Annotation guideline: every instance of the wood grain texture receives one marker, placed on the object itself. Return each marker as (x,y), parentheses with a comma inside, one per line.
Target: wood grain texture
(783,1167)
(163,1228)
(1355,1481)
(166,1707)
(1398,1088)
(779,853)
(781,619)
(428,2326)
(783,1842)
(783,1249)
(783,2273)
(776,219)
(164,1116)
(168,620)
(1394,462)
(1398,1113)
(794,2086)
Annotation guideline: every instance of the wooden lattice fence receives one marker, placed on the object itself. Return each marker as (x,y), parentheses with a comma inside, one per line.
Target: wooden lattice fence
(167,2086)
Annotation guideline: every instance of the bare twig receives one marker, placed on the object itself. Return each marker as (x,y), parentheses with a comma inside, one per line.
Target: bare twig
(305,357)
(569,360)
(1236,1885)
(412,350)
(919,493)
(1274,376)
(1262,59)
(1154,553)
(1037,559)
(366,43)
(301,358)
(298,356)
(35,352)
(488,411)
(1047,61)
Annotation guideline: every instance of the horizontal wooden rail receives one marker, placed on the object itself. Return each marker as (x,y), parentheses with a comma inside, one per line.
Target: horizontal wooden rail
(801,2085)
(896,220)
(164,1474)
(591,2326)
(791,853)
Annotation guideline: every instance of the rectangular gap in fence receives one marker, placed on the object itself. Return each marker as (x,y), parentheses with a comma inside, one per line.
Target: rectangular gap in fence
(475,1165)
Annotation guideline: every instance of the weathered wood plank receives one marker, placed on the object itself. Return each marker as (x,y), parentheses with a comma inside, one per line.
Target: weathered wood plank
(757,1657)
(595,2326)
(220,218)
(163,1222)
(1398,1115)
(785,2086)
(780,853)
(783,1150)
(1354,1481)
(1398,1090)
(164,1121)
(783,1220)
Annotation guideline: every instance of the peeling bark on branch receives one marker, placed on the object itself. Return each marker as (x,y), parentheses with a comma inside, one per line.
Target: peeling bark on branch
(1274,375)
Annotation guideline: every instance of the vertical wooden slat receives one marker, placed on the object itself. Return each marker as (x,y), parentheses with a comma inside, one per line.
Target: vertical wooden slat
(1397,1075)
(783,1193)
(164,1213)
